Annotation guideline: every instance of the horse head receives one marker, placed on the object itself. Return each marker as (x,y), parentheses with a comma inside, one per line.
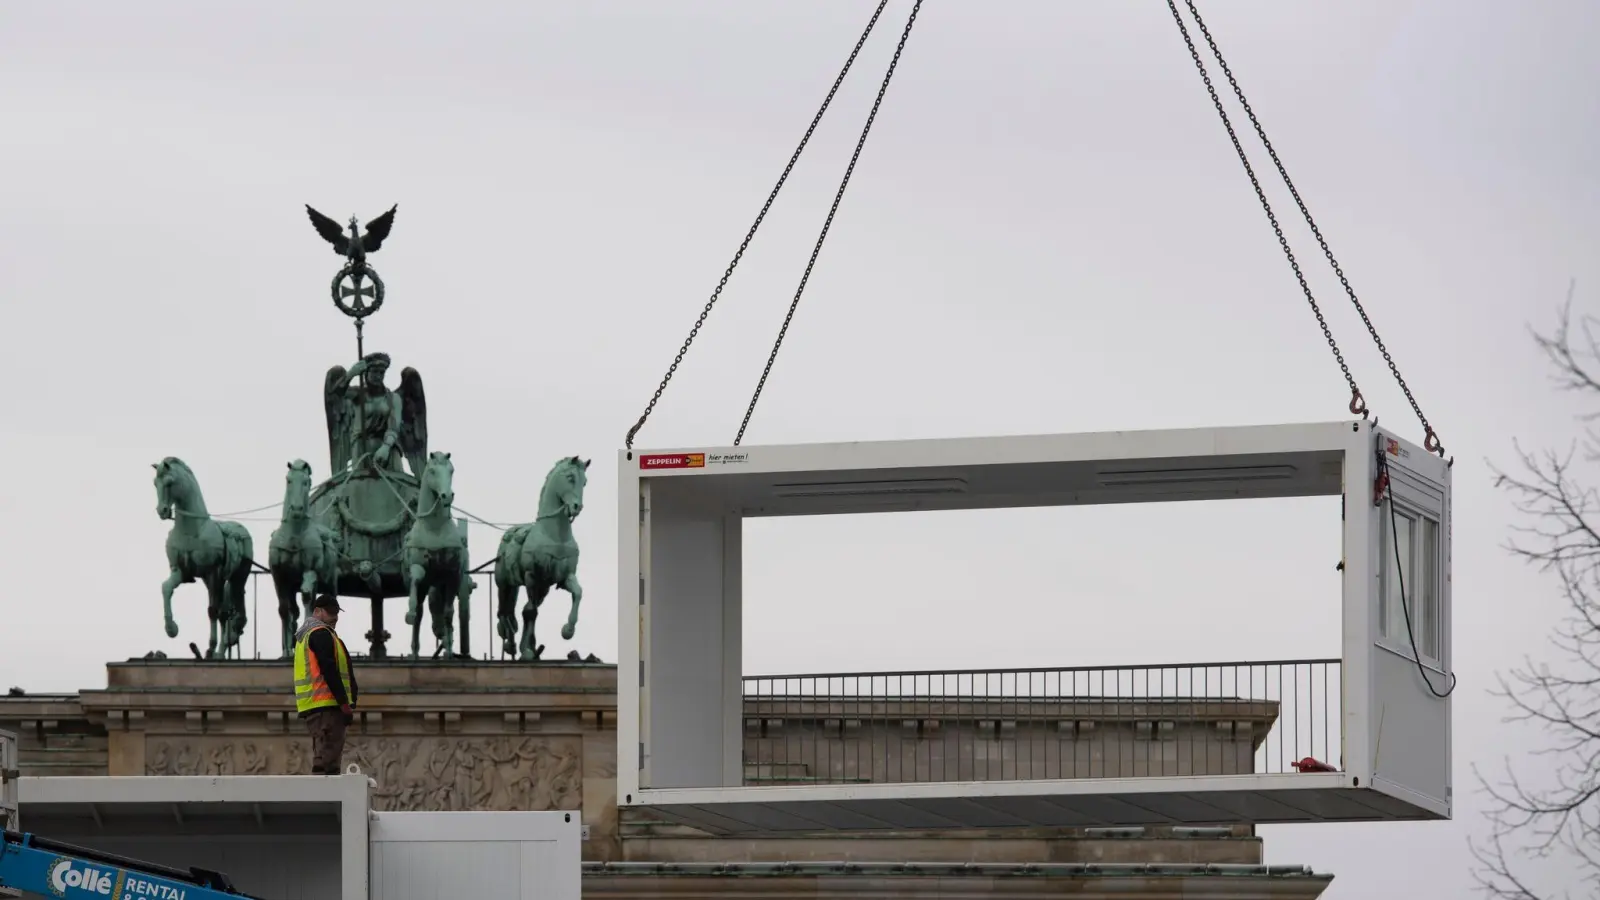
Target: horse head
(563,488)
(297,490)
(175,486)
(437,479)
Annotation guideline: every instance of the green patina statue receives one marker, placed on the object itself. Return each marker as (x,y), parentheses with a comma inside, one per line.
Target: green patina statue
(381,526)
(370,500)
(353,299)
(436,557)
(303,555)
(370,425)
(541,555)
(203,549)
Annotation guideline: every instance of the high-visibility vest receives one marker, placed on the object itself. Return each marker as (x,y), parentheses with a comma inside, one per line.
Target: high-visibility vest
(311,689)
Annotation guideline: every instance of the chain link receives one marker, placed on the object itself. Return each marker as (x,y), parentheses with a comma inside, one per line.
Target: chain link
(765,207)
(827,223)
(1431,439)
(1357,404)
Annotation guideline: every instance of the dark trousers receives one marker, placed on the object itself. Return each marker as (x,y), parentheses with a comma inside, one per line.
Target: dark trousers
(327,739)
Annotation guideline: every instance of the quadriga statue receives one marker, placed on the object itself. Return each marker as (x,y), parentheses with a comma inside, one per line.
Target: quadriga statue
(368,424)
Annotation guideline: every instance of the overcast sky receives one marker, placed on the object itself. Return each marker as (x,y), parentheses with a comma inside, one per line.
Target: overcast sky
(1048,232)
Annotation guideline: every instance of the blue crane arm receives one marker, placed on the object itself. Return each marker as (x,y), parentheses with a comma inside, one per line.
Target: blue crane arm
(53,869)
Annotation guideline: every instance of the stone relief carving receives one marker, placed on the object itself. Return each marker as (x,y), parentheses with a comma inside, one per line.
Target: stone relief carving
(412,773)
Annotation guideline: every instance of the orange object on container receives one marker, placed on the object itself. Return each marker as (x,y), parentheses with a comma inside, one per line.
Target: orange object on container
(1310,764)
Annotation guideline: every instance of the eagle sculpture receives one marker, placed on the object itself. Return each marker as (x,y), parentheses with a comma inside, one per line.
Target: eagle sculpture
(354,246)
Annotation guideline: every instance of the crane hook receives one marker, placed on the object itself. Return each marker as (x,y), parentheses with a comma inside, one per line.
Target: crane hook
(1431,443)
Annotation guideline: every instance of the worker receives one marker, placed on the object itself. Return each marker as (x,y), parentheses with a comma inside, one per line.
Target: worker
(325,690)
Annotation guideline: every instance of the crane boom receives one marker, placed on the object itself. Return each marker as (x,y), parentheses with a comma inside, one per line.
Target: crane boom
(53,869)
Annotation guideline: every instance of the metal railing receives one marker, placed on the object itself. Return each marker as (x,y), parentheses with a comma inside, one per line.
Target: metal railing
(1013,724)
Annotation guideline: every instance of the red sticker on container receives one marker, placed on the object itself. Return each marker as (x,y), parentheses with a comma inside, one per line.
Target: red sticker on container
(672,461)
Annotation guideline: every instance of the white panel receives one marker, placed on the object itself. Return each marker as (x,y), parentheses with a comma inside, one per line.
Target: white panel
(690,650)
(701,462)
(633,546)
(1357,612)
(446,856)
(8,781)
(1002,473)
(549,870)
(279,867)
(732,651)
(448,871)
(1409,724)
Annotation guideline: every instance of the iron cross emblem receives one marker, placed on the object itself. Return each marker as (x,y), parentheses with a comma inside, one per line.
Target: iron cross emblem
(352,296)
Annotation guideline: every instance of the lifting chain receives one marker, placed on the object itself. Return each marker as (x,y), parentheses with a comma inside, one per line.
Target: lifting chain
(1357,405)
(828,222)
(765,207)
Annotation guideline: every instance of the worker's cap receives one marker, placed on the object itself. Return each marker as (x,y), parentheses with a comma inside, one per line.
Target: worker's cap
(328,602)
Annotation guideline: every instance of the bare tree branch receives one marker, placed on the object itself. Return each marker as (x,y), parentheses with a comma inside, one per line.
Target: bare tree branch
(1559,816)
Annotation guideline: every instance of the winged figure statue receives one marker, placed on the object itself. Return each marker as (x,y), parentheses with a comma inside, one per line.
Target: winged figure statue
(356,245)
(370,425)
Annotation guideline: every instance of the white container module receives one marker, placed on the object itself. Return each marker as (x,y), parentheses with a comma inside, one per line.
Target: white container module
(448,855)
(279,836)
(8,780)
(682,720)
(8,790)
